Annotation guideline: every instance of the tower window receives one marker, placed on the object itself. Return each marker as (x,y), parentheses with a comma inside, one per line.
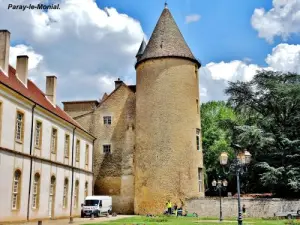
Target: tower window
(197,105)
(107,120)
(198,139)
(106,149)
(200,179)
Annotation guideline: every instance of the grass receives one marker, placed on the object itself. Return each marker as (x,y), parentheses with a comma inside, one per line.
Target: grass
(188,221)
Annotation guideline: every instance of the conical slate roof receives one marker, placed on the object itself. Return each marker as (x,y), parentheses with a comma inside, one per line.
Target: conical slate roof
(141,49)
(166,41)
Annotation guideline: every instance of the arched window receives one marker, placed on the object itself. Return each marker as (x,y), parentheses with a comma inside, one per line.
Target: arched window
(36,191)
(51,196)
(65,196)
(76,193)
(86,190)
(16,190)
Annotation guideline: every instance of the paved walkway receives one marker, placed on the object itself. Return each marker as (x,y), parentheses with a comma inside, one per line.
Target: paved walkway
(77,221)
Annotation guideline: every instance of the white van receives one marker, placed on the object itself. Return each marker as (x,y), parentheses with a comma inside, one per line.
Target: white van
(96,205)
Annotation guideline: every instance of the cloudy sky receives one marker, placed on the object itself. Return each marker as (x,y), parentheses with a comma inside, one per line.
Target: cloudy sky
(87,44)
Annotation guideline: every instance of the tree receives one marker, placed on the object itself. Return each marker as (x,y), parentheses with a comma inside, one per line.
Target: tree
(215,136)
(273,99)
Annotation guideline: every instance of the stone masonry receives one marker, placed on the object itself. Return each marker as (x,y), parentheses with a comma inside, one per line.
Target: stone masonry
(255,207)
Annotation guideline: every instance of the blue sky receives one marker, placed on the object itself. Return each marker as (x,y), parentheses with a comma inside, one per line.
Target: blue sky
(224,31)
(84,44)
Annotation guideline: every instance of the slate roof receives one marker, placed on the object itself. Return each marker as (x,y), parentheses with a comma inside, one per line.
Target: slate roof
(141,49)
(34,94)
(167,41)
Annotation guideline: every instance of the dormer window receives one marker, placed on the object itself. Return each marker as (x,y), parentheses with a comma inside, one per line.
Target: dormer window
(107,120)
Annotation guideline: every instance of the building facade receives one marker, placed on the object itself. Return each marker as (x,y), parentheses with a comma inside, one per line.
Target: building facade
(45,155)
(148,148)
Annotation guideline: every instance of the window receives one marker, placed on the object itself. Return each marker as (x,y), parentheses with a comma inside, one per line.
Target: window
(87,149)
(76,192)
(53,141)
(51,199)
(197,105)
(107,120)
(16,190)
(67,145)
(198,139)
(19,126)
(106,149)
(36,191)
(38,134)
(196,71)
(200,179)
(65,196)
(86,190)
(77,151)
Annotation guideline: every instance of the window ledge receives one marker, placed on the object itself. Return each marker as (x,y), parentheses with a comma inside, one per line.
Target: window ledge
(19,141)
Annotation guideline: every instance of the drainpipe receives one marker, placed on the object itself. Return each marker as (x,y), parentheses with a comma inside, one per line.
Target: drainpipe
(93,166)
(72,183)
(30,152)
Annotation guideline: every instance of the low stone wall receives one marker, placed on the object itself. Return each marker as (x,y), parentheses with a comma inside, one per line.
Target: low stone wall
(259,207)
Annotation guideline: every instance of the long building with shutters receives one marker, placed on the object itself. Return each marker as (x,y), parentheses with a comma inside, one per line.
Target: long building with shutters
(45,155)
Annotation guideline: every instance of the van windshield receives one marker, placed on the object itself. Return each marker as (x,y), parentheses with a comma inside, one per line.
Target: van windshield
(91,202)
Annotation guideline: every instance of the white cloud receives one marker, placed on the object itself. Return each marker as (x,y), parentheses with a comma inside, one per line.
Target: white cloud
(285,57)
(85,46)
(282,20)
(34,58)
(214,77)
(192,18)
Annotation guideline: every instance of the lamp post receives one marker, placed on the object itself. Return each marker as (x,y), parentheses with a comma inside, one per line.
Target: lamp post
(219,186)
(239,165)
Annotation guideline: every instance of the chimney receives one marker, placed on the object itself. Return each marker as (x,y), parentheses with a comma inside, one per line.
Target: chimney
(51,89)
(118,83)
(22,68)
(4,50)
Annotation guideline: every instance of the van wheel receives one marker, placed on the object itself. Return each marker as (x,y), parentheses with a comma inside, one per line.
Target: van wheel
(109,212)
(298,212)
(289,216)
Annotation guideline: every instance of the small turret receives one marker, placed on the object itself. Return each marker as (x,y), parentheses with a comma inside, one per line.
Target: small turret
(141,50)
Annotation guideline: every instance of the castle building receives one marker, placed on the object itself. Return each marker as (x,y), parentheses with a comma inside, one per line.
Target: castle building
(45,155)
(148,147)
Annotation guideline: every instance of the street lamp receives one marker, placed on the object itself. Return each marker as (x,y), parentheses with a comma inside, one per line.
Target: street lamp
(219,186)
(239,165)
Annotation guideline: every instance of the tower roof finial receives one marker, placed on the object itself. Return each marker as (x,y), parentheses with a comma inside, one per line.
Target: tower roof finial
(166,4)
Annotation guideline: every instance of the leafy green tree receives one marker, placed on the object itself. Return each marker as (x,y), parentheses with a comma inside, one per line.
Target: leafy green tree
(272,100)
(216,136)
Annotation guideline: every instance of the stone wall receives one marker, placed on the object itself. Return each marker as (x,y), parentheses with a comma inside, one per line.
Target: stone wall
(113,173)
(260,207)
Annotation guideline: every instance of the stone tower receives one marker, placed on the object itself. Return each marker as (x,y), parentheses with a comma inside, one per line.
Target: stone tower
(168,157)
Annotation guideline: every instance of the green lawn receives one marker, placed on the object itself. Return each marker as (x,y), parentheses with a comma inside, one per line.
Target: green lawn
(187,221)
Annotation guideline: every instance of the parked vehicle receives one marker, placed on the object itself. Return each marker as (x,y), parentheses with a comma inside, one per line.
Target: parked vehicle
(97,206)
(288,214)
